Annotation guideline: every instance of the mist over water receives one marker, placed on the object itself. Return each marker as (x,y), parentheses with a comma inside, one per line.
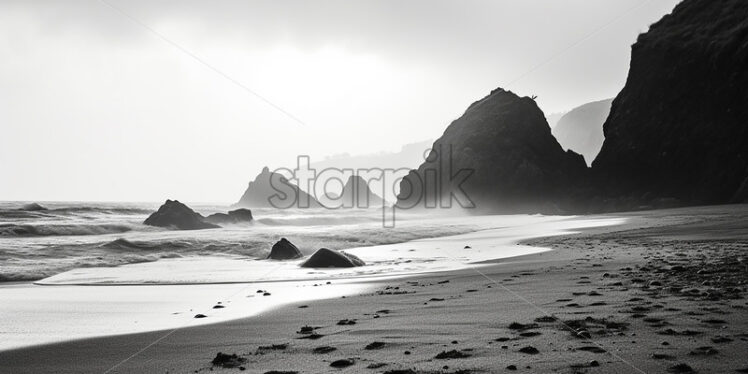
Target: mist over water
(39,244)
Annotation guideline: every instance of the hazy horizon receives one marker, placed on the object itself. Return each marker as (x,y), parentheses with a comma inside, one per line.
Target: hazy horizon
(97,105)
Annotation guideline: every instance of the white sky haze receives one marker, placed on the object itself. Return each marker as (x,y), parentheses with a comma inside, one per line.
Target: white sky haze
(94,106)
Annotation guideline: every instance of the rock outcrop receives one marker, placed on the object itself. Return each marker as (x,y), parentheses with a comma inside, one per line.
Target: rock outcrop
(175,215)
(581,129)
(273,190)
(678,131)
(240,215)
(328,258)
(514,163)
(284,250)
(32,207)
(357,194)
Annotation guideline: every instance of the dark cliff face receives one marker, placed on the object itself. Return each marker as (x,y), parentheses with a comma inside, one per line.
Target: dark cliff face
(581,129)
(679,127)
(514,163)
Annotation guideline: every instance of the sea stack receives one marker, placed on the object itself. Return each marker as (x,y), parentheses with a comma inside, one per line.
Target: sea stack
(357,194)
(241,215)
(175,215)
(328,258)
(677,131)
(32,207)
(273,190)
(284,250)
(506,160)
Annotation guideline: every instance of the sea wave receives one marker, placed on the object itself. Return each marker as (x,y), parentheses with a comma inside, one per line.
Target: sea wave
(317,220)
(103,210)
(22,214)
(124,244)
(15,230)
(30,269)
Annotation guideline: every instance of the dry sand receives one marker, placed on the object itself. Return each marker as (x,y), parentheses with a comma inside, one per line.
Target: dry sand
(662,293)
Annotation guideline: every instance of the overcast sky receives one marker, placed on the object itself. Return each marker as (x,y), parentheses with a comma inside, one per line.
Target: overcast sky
(95,105)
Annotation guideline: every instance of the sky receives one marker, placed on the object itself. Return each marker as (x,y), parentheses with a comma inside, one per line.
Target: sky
(113,100)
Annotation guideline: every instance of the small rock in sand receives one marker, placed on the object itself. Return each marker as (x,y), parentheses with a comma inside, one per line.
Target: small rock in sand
(324,349)
(680,368)
(530,350)
(346,362)
(228,360)
(374,345)
(703,351)
(306,330)
(521,326)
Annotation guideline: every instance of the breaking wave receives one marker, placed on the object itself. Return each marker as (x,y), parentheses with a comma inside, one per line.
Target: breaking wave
(316,220)
(35,244)
(14,230)
(103,210)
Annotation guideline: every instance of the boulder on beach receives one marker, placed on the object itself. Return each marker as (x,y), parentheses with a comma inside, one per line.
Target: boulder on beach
(284,250)
(235,216)
(173,214)
(32,207)
(328,258)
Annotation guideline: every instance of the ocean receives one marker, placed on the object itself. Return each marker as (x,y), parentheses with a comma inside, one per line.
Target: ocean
(36,244)
(152,279)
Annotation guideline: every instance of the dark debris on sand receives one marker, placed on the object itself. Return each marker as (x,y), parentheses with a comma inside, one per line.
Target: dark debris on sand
(584,328)
(521,326)
(680,369)
(530,350)
(342,363)
(444,355)
(228,360)
(324,349)
(375,345)
(272,347)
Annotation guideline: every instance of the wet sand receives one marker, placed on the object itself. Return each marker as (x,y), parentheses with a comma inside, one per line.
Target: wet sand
(662,293)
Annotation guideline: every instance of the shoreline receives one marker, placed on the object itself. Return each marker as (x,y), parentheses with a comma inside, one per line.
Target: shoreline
(173,312)
(424,318)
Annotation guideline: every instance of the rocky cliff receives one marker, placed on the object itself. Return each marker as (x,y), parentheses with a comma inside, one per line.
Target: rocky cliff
(678,130)
(501,153)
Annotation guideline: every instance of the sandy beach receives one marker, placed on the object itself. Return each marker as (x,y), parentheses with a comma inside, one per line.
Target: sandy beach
(288,187)
(663,292)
